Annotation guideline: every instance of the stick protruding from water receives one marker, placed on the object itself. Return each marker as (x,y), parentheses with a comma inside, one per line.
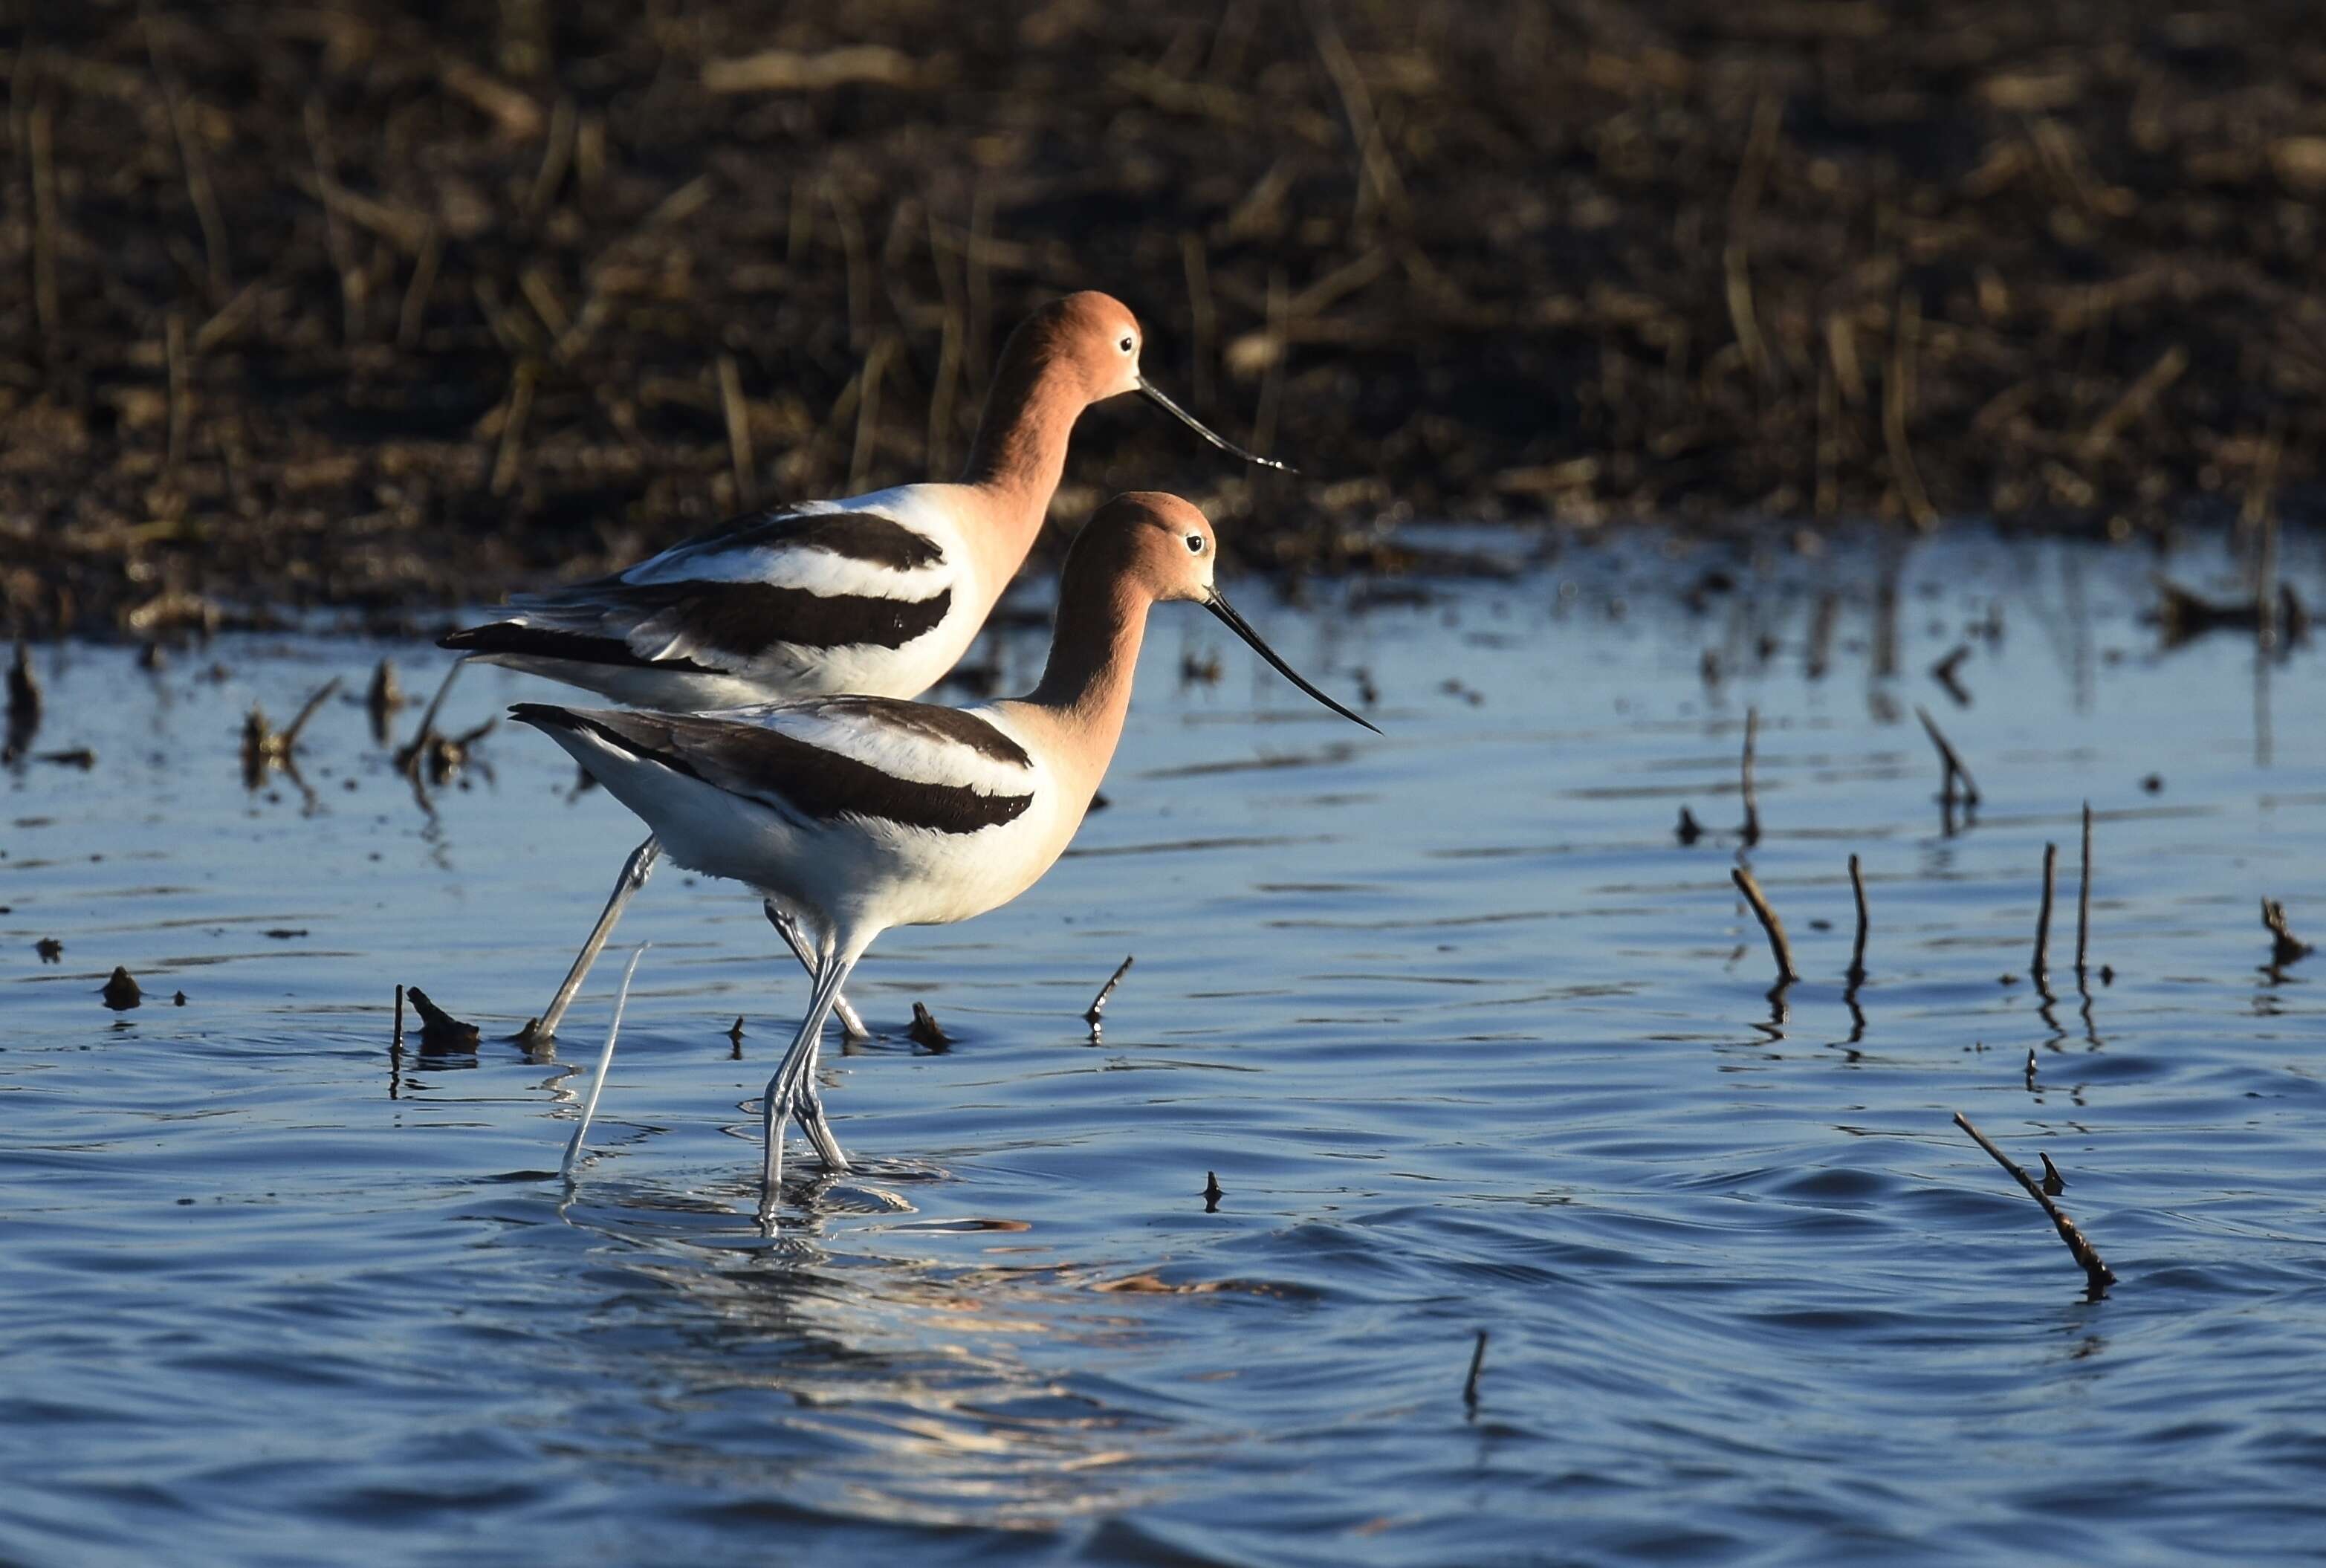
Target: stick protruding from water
(1782,949)
(1477,1365)
(2041,963)
(2097,1274)
(1950,760)
(2084,895)
(1856,975)
(1097,1008)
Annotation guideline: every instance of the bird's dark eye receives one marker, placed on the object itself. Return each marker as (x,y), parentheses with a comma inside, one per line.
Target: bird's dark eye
(1126,345)
(1195,544)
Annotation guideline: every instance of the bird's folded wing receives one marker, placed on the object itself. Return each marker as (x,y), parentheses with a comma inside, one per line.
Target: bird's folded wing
(909,764)
(805,580)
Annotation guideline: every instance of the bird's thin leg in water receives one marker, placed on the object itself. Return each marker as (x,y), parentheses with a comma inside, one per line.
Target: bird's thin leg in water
(605,1062)
(634,871)
(782,1088)
(788,929)
(809,1110)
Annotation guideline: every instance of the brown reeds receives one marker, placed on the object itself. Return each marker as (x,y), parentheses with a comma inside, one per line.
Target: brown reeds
(1763,331)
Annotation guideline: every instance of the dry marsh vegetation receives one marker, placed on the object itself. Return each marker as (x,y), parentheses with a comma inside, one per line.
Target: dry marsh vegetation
(388,305)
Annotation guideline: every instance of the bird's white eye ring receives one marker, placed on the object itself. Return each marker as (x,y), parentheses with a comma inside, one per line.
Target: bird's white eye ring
(1195,544)
(1128,343)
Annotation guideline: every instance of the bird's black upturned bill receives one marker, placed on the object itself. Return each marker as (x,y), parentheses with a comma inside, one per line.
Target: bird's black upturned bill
(1209,434)
(1235,623)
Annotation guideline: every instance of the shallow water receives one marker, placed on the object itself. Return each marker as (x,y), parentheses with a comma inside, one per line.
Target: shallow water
(1470,1039)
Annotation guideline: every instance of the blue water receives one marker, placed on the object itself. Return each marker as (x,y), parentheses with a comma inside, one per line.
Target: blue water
(1470,1039)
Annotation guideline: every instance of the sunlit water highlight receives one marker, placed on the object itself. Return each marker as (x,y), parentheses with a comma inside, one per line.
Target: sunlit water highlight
(1470,1039)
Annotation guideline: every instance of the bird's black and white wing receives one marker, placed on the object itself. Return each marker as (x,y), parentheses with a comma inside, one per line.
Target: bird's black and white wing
(833,596)
(908,766)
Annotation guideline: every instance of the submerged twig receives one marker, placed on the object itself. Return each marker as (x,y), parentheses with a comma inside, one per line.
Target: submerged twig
(2096,1272)
(1478,1364)
(1952,761)
(1778,945)
(927,1032)
(1098,1003)
(2285,946)
(441,1034)
(264,747)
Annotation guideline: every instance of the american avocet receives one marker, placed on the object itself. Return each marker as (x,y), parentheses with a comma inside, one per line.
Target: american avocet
(877,595)
(859,813)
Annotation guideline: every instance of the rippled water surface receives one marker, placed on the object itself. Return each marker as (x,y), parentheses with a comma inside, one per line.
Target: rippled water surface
(1472,1041)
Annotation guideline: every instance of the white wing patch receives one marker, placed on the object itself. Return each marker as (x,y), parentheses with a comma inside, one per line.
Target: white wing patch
(782,564)
(892,742)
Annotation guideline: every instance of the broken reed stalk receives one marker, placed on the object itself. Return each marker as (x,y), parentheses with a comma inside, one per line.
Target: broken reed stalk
(1271,380)
(180,398)
(40,139)
(1745,885)
(414,309)
(1478,1364)
(868,413)
(1948,757)
(1752,799)
(1897,394)
(278,748)
(2096,1271)
(738,429)
(1857,951)
(196,172)
(2042,963)
(520,408)
(1202,318)
(397,1041)
(2084,893)
(1098,1003)
(2285,946)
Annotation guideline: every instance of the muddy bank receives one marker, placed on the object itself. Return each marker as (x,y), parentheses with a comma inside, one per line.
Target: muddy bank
(373,305)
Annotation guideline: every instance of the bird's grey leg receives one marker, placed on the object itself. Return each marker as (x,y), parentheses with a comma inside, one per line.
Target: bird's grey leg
(809,1111)
(634,871)
(605,1062)
(782,1088)
(788,929)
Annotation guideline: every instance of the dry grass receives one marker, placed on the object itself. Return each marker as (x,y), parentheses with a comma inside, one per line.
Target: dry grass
(534,287)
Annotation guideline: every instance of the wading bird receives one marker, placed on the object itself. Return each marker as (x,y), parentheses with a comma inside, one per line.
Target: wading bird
(859,813)
(877,595)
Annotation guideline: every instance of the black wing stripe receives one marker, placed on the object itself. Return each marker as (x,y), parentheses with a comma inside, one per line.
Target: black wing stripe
(783,769)
(549,643)
(745,619)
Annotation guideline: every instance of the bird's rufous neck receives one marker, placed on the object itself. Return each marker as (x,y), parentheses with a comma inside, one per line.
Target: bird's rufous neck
(1019,454)
(1085,689)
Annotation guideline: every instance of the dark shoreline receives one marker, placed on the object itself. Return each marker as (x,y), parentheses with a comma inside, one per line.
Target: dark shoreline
(458,305)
